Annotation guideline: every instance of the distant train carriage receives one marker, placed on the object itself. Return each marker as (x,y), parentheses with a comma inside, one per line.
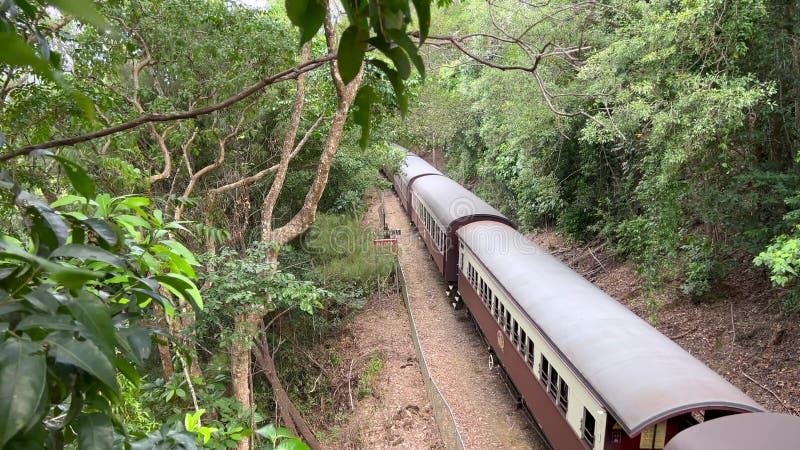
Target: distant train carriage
(593,374)
(410,169)
(741,432)
(439,207)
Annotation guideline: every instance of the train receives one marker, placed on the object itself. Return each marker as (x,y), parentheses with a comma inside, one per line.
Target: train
(592,374)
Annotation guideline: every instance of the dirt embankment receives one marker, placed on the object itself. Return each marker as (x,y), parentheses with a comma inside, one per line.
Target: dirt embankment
(386,401)
(741,334)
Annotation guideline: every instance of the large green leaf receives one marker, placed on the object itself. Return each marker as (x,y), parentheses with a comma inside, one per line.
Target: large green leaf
(396,54)
(95,432)
(129,371)
(181,249)
(60,322)
(82,9)
(109,233)
(139,340)
(397,84)
(292,444)
(350,56)
(84,355)
(23,376)
(17,53)
(42,299)
(423,8)
(183,287)
(411,50)
(311,20)
(47,228)
(71,277)
(295,10)
(95,315)
(88,253)
(361,113)
(77,176)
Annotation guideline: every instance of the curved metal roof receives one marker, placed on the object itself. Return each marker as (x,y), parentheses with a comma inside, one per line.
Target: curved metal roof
(414,166)
(638,373)
(449,201)
(741,432)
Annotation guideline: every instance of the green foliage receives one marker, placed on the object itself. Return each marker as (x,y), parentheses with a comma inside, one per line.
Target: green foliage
(701,268)
(370,376)
(675,136)
(382,25)
(345,254)
(279,438)
(223,423)
(782,259)
(240,283)
(72,289)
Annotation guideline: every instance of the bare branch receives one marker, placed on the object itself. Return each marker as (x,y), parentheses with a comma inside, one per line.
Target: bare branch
(288,74)
(271,199)
(300,222)
(272,169)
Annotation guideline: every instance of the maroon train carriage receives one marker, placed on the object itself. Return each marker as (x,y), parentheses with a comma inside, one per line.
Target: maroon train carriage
(753,431)
(593,374)
(411,168)
(439,207)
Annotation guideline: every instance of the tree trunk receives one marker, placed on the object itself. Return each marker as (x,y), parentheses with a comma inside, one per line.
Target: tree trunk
(298,224)
(292,417)
(244,330)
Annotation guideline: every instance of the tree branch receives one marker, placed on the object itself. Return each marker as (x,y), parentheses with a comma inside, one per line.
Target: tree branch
(259,175)
(300,222)
(288,74)
(268,206)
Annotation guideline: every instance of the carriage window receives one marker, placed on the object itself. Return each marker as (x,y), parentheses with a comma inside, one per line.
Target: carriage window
(501,315)
(563,395)
(514,331)
(531,359)
(654,437)
(587,428)
(507,323)
(552,388)
(544,371)
(522,343)
(488,293)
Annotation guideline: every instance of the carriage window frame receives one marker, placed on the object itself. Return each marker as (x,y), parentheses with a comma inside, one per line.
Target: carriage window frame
(544,371)
(587,435)
(531,355)
(563,395)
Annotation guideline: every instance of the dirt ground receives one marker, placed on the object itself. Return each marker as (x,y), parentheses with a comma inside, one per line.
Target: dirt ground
(740,332)
(397,412)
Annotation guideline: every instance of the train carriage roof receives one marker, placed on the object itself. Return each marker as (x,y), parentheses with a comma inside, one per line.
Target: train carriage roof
(638,373)
(741,432)
(449,201)
(414,166)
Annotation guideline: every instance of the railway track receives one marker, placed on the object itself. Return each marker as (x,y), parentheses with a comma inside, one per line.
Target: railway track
(486,413)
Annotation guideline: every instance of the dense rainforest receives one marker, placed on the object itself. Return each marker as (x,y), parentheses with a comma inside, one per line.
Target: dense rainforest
(182,183)
(669,129)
